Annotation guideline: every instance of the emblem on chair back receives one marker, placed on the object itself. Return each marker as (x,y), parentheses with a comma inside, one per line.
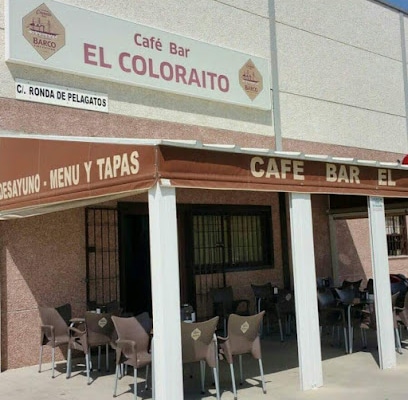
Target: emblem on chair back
(195,334)
(102,322)
(244,327)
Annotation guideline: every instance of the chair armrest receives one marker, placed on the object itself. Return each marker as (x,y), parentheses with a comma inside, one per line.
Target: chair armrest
(48,331)
(224,349)
(72,330)
(126,347)
(222,338)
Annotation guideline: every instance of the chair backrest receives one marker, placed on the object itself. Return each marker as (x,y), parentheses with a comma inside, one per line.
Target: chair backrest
(323,282)
(57,317)
(131,329)
(346,295)
(403,314)
(99,328)
(113,307)
(370,286)
(325,297)
(355,285)
(243,331)
(286,301)
(264,291)
(197,341)
(146,321)
(222,300)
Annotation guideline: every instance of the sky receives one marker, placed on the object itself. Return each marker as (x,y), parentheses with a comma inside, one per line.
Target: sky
(399,3)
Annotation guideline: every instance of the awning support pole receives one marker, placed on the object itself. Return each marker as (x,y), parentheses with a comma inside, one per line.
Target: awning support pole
(304,274)
(382,291)
(168,370)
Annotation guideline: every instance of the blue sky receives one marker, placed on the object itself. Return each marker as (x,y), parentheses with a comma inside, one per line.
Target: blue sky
(399,3)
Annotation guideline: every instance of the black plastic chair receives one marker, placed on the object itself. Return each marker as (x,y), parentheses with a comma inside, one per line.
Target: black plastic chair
(224,304)
(266,300)
(331,314)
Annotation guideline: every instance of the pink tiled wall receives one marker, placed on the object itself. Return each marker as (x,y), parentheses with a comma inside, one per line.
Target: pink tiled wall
(43,263)
(354,252)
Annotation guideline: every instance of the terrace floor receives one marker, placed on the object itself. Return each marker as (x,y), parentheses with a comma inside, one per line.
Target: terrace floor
(355,375)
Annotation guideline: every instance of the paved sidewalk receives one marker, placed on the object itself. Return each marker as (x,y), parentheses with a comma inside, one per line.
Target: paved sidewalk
(347,377)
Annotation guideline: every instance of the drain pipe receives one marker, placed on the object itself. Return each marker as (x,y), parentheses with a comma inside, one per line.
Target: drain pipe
(275,77)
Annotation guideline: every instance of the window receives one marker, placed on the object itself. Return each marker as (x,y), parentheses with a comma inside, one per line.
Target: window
(229,238)
(396,235)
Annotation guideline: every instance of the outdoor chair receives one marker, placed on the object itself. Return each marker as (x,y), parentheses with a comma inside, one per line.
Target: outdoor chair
(323,282)
(132,346)
(243,338)
(113,307)
(354,285)
(199,344)
(54,329)
(266,300)
(224,304)
(353,307)
(285,305)
(96,331)
(400,314)
(368,321)
(331,314)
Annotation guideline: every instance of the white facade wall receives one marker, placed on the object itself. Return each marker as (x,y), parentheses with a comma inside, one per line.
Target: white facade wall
(341,73)
(346,56)
(340,68)
(208,21)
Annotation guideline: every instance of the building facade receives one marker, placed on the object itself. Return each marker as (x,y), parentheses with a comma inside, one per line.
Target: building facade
(93,92)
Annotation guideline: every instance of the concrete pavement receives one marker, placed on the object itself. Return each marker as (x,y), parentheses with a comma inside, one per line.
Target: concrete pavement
(354,376)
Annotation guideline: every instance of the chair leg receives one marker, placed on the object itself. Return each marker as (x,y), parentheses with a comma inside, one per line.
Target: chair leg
(262,376)
(99,357)
(69,356)
(40,361)
(115,386)
(202,375)
(234,388)
(363,338)
(107,357)
(398,341)
(288,323)
(346,344)
(53,361)
(135,379)
(351,340)
(241,375)
(280,329)
(217,383)
(88,367)
(147,377)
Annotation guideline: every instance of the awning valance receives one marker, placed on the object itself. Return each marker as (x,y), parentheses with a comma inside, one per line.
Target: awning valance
(42,174)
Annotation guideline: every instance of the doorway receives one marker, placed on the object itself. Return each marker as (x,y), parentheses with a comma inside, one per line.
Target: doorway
(135,277)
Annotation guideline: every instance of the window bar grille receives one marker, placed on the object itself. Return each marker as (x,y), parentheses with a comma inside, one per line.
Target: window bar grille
(102,257)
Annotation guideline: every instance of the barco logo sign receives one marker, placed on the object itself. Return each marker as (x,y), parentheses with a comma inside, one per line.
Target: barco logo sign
(43,31)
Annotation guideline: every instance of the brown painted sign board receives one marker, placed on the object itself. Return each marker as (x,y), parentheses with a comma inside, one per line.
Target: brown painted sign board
(38,172)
